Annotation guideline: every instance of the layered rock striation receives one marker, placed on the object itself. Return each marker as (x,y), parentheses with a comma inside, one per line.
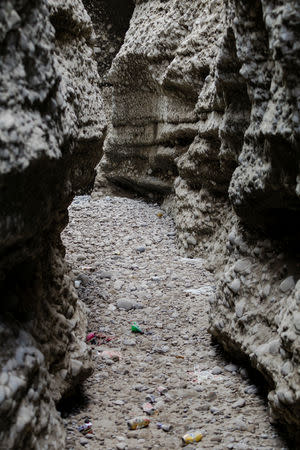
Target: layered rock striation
(205,116)
(51,132)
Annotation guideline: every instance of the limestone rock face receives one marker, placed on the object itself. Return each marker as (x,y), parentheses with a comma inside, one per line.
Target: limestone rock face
(51,132)
(206,116)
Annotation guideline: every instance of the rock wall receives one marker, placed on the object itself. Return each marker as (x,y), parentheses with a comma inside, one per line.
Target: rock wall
(51,132)
(206,117)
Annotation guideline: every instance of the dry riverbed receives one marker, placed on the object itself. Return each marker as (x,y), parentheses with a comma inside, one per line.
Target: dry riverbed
(128,269)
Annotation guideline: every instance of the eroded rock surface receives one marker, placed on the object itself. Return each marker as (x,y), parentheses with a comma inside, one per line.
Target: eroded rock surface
(51,132)
(206,116)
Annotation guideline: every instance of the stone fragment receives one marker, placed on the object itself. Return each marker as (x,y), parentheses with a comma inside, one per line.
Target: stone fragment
(217,370)
(125,304)
(242,266)
(235,285)
(240,403)
(287,284)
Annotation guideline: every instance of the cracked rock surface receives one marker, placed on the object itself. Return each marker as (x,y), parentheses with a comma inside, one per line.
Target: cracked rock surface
(51,133)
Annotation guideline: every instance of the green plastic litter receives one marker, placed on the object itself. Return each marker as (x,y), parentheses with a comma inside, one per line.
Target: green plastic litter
(135,328)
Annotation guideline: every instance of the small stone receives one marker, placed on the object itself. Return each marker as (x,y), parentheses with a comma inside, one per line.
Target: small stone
(296,320)
(251,390)
(240,425)
(83,441)
(124,303)
(239,309)
(118,402)
(140,249)
(239,403)
(211,396)
(129,342)
(235,285)
(118,285)
(231,368)
(105,274)
(140,388)
(84,279)
(76,367)
(242,266)
(287,284)
(121,446)
(77,283)
(163,349)
(191,240)
(166,427)
(217,370)
(287,368)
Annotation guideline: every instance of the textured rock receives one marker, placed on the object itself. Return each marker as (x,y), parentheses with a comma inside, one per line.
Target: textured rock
(205,116)
(51,133)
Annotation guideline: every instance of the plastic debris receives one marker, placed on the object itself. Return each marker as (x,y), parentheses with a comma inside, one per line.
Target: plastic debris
(86,427)
(148,408)
(111,354)
(98,338)
(162,390)
(88,268)
(138,422)
(90,336)
(135,328)
(192,436)
(164,426)
(151,398)
(160,214)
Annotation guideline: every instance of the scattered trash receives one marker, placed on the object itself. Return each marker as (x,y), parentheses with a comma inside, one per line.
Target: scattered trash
(164,426)
(160,214)
(137,423)
(148,408)
(88,268)
(135,328)
(179,356)
(200,376)
(162,390)
(77,283)
(90,336)
(151,398)
(98,338)
(192,436)
(111,354)
(86,427)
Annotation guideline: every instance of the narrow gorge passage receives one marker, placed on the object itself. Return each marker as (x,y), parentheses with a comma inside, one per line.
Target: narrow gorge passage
(125,255)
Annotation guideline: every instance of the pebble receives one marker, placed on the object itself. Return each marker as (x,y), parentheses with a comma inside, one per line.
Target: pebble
(121,446)
(105,274)
(231,368)
(252,389)
(217,370)
(239,403)
(235,285)
(287,284)
(125,304)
